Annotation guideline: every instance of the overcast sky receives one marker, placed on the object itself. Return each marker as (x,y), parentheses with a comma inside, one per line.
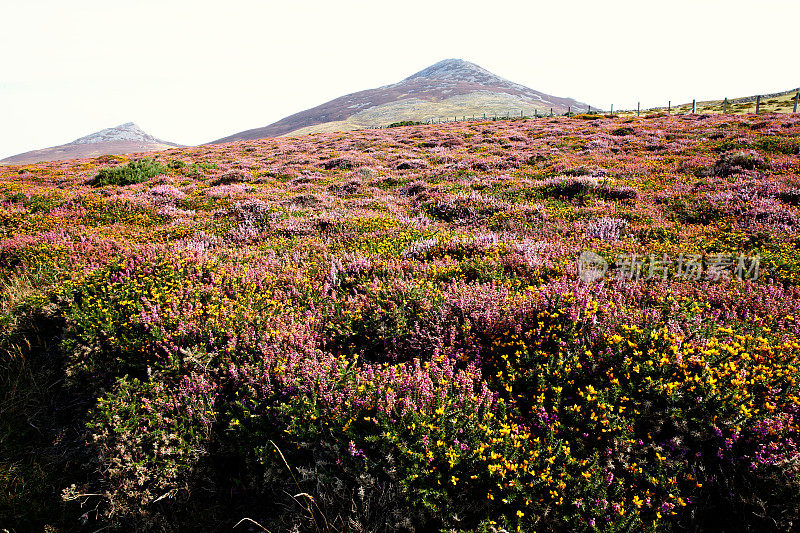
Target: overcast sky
(194,71)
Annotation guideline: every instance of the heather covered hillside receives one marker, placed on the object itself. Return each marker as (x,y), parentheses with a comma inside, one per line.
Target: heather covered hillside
(390,330)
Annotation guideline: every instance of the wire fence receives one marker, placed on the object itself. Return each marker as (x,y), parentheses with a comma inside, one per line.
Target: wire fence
(726,106)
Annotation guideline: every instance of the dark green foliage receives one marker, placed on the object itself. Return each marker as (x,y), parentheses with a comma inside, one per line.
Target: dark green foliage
(404,123)
(726,145)
(134,172)
(196,170)
(778,145)
(567,188)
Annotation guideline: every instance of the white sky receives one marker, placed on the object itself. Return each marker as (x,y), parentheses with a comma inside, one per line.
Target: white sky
(194,71)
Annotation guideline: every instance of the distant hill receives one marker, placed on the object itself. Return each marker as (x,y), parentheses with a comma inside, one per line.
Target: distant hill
(782,102)
(123,139)
(449,88)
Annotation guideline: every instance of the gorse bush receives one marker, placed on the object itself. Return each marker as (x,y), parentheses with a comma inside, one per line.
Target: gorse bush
(778,145)
(625,445)
(133,172)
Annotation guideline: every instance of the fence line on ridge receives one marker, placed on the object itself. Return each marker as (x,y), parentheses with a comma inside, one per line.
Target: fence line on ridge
(537,113)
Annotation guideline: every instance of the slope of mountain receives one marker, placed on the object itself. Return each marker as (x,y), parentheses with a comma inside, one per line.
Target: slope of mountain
(123,139)
(779,103)
(782,102)
(450,88)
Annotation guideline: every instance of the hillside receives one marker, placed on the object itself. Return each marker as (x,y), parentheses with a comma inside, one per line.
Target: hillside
(782,102)
(566,324)
(450,88)
(126,138)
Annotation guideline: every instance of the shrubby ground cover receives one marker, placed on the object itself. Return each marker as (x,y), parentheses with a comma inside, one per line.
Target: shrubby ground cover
(385,330)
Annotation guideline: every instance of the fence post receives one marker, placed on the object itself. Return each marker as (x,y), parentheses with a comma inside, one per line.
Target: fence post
(796,98)
(694,106)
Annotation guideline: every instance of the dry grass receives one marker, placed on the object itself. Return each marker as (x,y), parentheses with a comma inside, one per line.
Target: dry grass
(13,293)
(783,103)
(468,105)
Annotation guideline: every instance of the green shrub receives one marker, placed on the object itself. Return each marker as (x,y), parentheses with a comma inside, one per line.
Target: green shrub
(134,172)
(404,123)
(197,169)
(777,145)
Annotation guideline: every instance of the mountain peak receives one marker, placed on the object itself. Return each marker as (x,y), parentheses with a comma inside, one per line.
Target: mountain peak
(126,138)
(451,87)
(458,70)
(124,132)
